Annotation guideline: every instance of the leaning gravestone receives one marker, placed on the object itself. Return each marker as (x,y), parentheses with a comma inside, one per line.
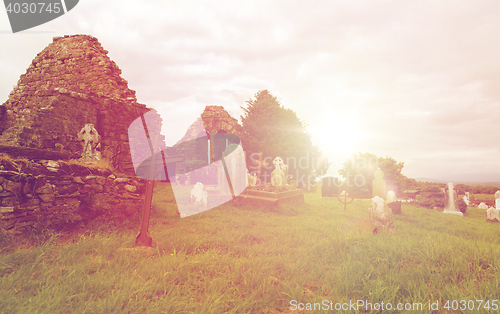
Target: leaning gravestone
(493,214)
(451,200)
(378,184)
(393,202)
(329,187)
(381,216)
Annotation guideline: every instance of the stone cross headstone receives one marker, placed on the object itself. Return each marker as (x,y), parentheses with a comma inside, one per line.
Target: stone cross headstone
(451,200)
(381,216)
(497,199)
(378,184)
(88,134)
(278,176)
(329,187)
(493,214)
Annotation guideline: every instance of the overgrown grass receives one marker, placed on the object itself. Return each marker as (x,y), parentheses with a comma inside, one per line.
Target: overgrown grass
(244,260)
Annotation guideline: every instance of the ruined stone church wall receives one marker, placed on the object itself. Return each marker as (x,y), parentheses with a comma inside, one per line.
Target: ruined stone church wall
(68,85)
(71,83)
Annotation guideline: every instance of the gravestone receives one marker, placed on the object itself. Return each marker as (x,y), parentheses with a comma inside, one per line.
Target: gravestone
(493,214)
(278,176)
(251,179)
(393,202)
(234,159)
(451,200)
(482,206)
(329,187)
(199,194)
(467,198)
(381,216)
(91,142)
(378,184)
(497,199)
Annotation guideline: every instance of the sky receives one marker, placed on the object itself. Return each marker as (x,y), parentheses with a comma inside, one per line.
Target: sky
(418,81)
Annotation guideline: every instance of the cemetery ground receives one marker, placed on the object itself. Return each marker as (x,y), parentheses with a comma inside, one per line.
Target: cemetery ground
(239,259)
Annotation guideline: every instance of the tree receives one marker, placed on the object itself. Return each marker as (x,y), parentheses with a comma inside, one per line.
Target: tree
(358,172)
(431,196)
(275,131)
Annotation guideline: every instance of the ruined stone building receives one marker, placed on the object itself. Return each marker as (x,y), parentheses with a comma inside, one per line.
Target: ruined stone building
(70,84)
(72,103)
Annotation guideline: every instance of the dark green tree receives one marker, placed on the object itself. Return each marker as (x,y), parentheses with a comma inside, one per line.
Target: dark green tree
(276,131)
(358,171)
(431,196)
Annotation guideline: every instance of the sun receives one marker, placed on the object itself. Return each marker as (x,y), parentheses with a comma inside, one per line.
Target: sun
(337,135)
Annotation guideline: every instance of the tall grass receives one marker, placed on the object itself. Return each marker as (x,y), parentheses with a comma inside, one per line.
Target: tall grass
(239,259)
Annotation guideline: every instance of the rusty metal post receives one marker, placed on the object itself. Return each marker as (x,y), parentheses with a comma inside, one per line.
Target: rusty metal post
(144,239)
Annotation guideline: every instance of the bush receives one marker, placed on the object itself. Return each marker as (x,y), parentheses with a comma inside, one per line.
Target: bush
(462,206)
(431,196)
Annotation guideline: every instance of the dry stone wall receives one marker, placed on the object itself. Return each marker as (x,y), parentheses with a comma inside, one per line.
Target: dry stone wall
(48,193)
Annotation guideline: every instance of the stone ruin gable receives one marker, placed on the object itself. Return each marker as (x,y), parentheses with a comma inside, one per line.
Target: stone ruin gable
(70,83)
(77,63)
(215,119)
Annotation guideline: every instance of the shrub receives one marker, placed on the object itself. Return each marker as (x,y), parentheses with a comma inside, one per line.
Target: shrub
(462,206)
(431,196)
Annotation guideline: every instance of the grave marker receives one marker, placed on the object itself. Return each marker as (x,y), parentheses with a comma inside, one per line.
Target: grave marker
(378,184)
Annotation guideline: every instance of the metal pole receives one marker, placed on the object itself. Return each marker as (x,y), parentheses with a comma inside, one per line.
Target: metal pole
(144,239)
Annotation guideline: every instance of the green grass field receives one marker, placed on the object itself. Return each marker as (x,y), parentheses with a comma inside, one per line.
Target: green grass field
(243,260)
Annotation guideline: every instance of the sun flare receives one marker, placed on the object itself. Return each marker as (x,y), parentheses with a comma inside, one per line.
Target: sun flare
(339,135)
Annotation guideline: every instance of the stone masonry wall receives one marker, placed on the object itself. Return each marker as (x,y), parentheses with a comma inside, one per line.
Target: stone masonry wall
(48,193)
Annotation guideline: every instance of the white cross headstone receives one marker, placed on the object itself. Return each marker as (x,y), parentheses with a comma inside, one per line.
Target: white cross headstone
(88,134)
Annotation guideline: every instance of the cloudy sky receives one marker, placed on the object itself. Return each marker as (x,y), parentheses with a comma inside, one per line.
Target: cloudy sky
(418,81)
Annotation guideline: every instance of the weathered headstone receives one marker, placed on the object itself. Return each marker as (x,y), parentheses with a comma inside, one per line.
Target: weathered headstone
(378,184)
(91,142)
(251,179)
(451,200)
(329,187)
(482,205)
(278,176)
(234,159)
(497,199)
(199,194)
(381,216)
(391,197)
(493,214)
(393,202)
(467,198)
